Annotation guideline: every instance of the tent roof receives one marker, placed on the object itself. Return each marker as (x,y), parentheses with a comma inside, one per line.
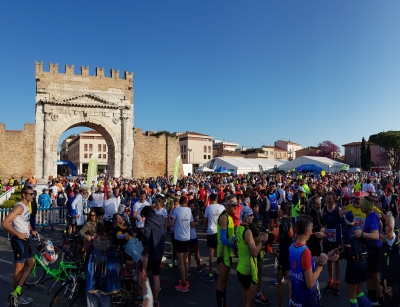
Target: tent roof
(248,165)
(325,163)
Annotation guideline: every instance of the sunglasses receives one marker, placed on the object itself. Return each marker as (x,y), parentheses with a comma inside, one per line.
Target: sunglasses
(234,206)
(31,194)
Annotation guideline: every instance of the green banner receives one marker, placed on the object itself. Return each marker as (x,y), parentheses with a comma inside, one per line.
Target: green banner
(176,169)
(92,169)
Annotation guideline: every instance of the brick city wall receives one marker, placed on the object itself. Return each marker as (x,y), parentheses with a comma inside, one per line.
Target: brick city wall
(149,155)
(17,152)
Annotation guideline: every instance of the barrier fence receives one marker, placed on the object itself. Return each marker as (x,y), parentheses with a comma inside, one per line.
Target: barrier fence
(46,217)
(6,196)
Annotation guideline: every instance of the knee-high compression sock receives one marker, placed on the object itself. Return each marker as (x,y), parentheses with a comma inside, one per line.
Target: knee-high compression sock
(224,303)
(372,296)
(353,302)
(362,300)
(220,298)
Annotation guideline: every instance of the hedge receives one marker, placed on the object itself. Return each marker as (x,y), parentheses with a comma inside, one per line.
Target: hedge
(8,204)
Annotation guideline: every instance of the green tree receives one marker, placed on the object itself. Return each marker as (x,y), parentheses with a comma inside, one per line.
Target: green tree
(363,155)
(368,158)
(390,142)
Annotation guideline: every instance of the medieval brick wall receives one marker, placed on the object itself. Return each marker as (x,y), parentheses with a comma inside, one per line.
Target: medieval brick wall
(17,152)
(149,155)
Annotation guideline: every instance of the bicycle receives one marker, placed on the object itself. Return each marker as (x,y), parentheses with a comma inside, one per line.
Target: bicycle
(62,273)
(129,292)
(68,292)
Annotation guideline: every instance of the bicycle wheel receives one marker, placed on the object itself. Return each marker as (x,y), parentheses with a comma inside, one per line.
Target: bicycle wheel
(36,275)
(128,295)
(64,297)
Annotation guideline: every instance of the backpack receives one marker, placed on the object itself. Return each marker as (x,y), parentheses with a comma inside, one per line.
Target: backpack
(61,198)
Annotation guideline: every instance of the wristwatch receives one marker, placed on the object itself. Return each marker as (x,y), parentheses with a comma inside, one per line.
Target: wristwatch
(321,264)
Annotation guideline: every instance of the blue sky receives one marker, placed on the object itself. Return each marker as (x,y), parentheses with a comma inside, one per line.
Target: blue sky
(245,71)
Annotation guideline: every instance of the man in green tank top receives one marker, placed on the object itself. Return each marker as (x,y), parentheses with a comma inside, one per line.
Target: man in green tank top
(247,269)
(226,244)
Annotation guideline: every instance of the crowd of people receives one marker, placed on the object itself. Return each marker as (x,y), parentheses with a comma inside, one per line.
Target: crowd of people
(313,220)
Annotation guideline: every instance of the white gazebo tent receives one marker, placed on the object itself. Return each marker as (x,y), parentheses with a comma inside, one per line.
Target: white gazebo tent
(204,169)
(245,166)
(328,165)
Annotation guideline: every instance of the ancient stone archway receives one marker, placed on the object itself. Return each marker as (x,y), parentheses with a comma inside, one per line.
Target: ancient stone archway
(64,101)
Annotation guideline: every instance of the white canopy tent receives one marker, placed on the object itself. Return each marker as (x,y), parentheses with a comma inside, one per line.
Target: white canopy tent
(245,166)
(204,169)
(328,165)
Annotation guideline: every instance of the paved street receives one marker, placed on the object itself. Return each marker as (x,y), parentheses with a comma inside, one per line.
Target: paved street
(200,294)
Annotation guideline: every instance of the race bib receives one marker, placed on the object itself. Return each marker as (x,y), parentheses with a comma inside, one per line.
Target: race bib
(330,235)
(358,222)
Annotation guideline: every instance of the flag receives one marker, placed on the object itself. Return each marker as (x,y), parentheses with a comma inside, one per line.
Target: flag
(176,169)
(92,169)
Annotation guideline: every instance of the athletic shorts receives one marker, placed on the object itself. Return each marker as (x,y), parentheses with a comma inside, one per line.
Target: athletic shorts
(71,220)
(373,263)
(22,249)
(328,246)
(294,220)
(273,214)
(356,272)
(284,263)
(212,241)
(220,259)
(245,280)
(182,246)
(193,241)
(155,267)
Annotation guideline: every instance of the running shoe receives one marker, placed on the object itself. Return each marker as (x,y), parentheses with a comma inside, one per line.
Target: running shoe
(181,288)
(25,300)
(329,287)
(156,304)
(337,288)
(201,268)
(262,300)
(209,278)
(172,264)
(216,275)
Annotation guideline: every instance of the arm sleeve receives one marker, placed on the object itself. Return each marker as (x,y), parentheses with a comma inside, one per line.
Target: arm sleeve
(306,260)
(224,239)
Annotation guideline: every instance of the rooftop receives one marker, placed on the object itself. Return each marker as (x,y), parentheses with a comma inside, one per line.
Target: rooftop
(288,142)
(194,133)
(357,143)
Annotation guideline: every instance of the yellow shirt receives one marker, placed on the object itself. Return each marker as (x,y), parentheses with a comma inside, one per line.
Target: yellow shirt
(359,216)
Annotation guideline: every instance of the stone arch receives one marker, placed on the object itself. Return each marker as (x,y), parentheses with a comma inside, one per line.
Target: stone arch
(114,151)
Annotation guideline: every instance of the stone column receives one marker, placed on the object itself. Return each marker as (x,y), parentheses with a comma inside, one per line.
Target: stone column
(46,145)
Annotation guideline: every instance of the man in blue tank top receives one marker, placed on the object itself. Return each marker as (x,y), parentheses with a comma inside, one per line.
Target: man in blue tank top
(304,269)
(333,218)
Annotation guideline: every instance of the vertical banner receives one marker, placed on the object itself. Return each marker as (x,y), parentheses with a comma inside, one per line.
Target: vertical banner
(176,168)
(261,169)
(92,169)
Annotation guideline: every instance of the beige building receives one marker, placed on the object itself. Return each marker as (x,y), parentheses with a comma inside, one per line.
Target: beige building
(221,146)
(64,147)
(83,146)
(196,148)
(265,152)
(290,147)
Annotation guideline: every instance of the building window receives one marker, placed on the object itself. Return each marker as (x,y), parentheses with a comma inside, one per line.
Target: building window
(284,155)
(85,156)
(205,157)
(85,147)
(351,161)
(381,149)
(104,156)
(90,155)
(352,151)
(184,148)
(205,149)
(104,147)
(181,148)
(209,149)
(90,147)
(209,157)
(99,147)
(272,153)
(184,157)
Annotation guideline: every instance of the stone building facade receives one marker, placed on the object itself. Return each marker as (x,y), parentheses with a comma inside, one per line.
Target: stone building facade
(66,100)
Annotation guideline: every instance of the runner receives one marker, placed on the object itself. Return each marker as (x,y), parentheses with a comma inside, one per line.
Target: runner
(248,251)
(333,217)
(18,225)
(225,246)
(211,215)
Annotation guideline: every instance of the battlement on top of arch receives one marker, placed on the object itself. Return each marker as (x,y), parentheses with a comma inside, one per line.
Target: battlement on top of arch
(53,83)
(69,70)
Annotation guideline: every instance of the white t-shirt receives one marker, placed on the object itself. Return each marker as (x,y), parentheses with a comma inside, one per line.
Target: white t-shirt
(97,201)
(137,207)
(54,190)
(183,217)
(110,208)
(212,213)
(281,196)
(162,212)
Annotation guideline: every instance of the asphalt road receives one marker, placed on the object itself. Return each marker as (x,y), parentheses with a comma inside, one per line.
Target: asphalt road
(201,293)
